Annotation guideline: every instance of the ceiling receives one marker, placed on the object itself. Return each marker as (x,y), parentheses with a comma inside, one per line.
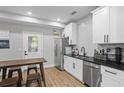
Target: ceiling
(51,13)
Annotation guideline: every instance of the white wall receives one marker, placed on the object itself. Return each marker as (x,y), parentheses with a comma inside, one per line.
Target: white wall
(15,46)
(85,35)
(16,42)
(48,50)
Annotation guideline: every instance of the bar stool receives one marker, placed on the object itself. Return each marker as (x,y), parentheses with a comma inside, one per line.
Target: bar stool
(32,67)
(18,70)
(33,76)
(10,82)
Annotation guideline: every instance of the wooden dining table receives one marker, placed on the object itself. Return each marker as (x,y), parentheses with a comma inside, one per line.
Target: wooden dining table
(23,62)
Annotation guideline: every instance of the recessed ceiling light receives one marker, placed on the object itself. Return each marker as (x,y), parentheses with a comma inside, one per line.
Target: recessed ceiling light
(29,13)
(58,19)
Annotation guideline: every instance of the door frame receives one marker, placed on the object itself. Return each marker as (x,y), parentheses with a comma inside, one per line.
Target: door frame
(32,32)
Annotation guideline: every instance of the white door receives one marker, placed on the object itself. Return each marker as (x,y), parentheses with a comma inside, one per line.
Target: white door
(32,45)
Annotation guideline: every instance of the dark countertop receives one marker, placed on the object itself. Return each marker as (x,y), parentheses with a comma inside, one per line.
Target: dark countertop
(111,64)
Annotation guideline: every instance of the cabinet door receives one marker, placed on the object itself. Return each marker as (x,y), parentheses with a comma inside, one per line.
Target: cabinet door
(78,69)
(116,24)
(109,81)
(73,34)
(64,33)
(68,30)
(121,83)
(110,77)
(68,64)
(72,66)
(101,25)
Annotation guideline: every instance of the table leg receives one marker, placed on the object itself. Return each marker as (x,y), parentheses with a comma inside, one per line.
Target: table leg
(42,74)
(4,73)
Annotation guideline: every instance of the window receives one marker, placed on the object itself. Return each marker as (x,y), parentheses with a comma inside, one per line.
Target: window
(32,44)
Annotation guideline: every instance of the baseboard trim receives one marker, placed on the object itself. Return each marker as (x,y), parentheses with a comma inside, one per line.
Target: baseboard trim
(47,66)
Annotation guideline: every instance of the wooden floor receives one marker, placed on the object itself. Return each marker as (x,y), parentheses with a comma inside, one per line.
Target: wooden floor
(56,78)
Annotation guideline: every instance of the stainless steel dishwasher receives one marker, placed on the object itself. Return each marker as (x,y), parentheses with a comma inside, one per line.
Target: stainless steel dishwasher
(91,74)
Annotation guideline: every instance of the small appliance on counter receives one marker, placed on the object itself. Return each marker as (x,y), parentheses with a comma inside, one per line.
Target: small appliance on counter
(115,54)
(100,54)
(75,52)
(68,50)
(110,54)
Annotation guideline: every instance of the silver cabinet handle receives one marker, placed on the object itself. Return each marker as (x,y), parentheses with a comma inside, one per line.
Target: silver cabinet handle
(56,50)
(107,38)
(110,72)
(71,41)
(65,57)
(101,77)
(104,38)
(74,65)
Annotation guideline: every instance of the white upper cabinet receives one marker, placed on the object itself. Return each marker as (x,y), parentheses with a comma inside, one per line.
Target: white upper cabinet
(70,31)
(100,25)
(108,25)
(116,24)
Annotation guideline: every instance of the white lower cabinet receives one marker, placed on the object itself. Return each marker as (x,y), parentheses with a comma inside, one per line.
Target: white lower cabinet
(108,81)
(112,77)
(74,67)
(78,70)
(68,64)
(122,83)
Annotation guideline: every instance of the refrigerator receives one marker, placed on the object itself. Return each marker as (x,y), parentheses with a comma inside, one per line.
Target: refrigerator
(60,44)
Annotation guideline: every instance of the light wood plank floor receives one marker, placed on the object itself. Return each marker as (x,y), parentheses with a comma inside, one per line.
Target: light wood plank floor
(56,78)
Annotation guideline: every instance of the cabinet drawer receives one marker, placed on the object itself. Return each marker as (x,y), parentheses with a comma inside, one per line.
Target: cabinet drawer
(109,81)
(113,75)
(110,71)
(113,72)
(121,75)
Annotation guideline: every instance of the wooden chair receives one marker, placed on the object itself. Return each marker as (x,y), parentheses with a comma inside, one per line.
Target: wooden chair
(10,82)
(18,70)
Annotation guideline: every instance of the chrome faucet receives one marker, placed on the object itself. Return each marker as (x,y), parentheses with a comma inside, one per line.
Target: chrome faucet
(83,48)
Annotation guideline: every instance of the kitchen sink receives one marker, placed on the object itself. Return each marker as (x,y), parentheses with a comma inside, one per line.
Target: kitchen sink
(80,56)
